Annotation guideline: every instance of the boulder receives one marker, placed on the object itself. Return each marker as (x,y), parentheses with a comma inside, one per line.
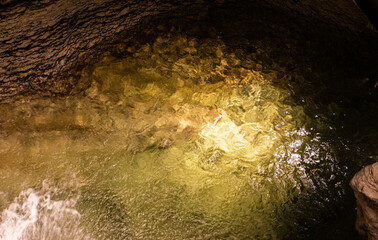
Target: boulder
(365,186)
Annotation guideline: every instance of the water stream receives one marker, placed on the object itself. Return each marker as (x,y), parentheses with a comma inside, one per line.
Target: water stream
(181,138)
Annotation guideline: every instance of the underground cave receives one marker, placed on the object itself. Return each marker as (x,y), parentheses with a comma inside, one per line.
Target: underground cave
(187,119)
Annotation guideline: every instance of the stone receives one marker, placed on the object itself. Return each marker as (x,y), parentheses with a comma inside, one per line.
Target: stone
(44,42)
(365,187)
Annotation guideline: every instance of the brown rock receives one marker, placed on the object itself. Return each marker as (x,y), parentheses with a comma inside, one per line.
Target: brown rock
(44,45)
(365,186)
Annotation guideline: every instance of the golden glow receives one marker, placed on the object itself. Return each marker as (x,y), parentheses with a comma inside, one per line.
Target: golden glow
(176,133)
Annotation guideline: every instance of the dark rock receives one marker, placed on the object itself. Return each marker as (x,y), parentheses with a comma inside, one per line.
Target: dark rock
(45,42)
(41,40)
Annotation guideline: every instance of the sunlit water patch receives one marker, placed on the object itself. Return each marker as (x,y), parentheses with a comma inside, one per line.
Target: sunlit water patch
(179,139)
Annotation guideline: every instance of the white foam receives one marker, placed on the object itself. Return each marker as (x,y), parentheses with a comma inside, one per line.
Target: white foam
(34,215)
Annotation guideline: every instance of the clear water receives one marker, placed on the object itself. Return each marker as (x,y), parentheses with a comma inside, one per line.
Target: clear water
(180,139)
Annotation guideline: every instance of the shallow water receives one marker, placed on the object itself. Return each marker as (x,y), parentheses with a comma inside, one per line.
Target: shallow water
(179,139)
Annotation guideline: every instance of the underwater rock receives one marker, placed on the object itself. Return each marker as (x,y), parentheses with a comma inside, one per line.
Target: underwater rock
(365,186)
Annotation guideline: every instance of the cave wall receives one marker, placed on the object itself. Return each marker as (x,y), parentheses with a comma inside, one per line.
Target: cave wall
(41,42)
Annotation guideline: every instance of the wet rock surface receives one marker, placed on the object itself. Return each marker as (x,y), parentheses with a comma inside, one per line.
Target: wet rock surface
(42,39)
(365,186)
(45,44)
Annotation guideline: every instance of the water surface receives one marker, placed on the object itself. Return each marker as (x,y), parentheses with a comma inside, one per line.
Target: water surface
(182,138)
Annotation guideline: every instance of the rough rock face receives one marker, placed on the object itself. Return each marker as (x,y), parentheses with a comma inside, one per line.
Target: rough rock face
(365,186)
(41,40)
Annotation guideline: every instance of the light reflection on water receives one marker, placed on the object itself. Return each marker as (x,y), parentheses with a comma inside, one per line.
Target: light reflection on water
(176,141)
